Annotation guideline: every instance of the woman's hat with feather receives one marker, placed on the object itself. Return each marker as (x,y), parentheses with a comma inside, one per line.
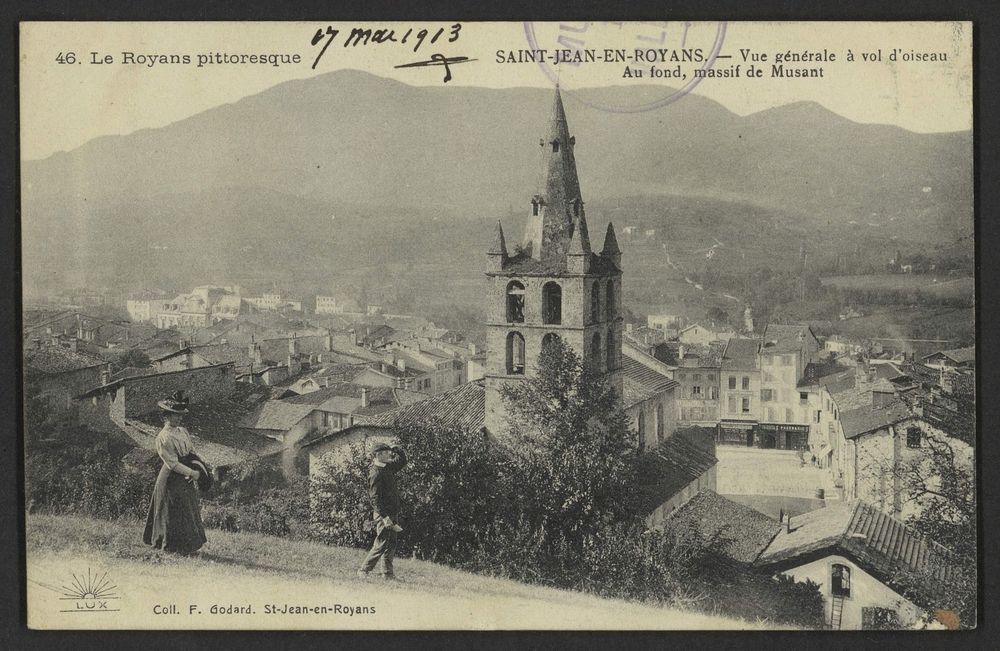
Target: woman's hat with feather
(176,403)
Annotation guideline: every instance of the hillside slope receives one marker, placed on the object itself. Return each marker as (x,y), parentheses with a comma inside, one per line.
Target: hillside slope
(258,571)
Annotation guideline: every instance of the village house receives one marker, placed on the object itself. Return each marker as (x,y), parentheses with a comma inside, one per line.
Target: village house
(128,406)
(697,374)
(668,324)
(956,358)
(58,374)
(881,441)
(743,400)
(873,571)
(697,334)
(786,409)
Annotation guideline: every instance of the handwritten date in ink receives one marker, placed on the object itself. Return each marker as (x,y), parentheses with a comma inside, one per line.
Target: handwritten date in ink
(361,36)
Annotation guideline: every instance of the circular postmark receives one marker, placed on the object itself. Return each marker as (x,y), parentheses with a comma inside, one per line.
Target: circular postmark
(704,38)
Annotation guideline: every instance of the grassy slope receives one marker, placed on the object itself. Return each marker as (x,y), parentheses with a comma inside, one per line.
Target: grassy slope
(236,567)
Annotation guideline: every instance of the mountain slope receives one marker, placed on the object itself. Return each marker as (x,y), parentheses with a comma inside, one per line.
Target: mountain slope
(348,140)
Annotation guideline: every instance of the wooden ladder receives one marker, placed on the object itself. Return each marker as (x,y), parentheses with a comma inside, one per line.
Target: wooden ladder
(836,612)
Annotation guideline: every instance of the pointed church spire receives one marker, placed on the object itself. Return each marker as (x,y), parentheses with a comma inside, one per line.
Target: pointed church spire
(499,243)
(610,242)
(611,251)
(554,208)
(579,240)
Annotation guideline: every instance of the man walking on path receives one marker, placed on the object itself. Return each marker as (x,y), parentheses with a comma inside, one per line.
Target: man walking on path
(384,495)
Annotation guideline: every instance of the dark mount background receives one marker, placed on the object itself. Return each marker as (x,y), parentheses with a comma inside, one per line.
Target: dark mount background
(315,179)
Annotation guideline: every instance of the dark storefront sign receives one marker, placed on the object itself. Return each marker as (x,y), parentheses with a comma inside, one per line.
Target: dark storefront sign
(783,436)
(735,432)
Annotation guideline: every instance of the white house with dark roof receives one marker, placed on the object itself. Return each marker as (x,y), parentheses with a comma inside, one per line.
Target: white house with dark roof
(873,571)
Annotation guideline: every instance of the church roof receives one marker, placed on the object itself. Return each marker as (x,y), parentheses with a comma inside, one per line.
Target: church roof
(499,243)
(610,242)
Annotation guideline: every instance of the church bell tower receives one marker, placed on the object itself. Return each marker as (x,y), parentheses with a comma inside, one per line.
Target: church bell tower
(552,283)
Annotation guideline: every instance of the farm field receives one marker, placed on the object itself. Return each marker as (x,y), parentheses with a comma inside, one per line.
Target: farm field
(937,285)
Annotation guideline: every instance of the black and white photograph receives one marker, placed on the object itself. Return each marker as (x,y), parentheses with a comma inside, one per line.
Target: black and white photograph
(499,325)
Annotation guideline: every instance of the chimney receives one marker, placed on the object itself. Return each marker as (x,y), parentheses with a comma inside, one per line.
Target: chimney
(401,364)
(328,340)
(182,344)
(293,345)
(105,375)
(364,397)
(680,352)
(788,524)
(399,383)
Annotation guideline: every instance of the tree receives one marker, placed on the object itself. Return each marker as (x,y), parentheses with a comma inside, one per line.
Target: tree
(133,357)
(449,490)
(573,468)
(943,483)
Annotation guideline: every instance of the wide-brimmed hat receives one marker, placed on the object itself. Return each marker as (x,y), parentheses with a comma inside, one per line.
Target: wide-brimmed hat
(176,403)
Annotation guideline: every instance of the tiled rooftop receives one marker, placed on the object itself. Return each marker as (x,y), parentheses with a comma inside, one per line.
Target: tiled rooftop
(743,532)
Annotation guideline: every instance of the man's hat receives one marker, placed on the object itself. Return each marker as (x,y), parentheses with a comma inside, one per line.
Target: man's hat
(176,403)
(379,447)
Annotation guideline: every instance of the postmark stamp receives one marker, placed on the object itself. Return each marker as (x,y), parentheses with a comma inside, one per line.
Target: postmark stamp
(651,42)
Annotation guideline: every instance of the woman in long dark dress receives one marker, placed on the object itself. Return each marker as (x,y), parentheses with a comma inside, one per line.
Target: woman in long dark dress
(174,519)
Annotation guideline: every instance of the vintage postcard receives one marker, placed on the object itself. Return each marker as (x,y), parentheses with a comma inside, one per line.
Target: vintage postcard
(514,325)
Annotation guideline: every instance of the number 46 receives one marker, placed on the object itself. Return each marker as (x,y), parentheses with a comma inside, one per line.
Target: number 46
(69,57)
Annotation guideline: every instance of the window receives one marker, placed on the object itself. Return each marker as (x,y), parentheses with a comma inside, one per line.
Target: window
(612,362)
(732,404)
(713,393)
(732,382)
(836,416)
(552,303)
(642,430)
(770,414)
(768,376)
(746,405)
(803,396)
(555,146)
(609,300)
(515,302)
(788,415)
(746,383)
(913,437)
(534,207)
(595,303)
(659,423)
(697,377)
(817,416)
(595,350)
(696,392)
(840,580)
(766,395)
(515,354)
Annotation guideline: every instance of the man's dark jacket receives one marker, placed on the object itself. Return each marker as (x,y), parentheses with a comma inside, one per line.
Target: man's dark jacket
(382,487)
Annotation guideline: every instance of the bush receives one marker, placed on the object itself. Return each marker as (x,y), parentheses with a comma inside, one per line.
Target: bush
(88,480)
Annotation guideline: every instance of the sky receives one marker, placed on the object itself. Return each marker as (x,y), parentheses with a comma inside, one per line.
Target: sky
(64,105)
